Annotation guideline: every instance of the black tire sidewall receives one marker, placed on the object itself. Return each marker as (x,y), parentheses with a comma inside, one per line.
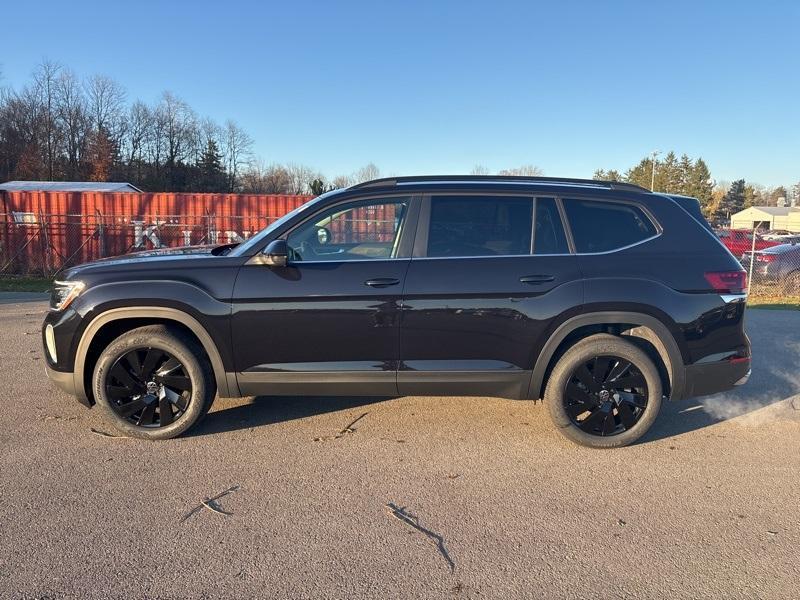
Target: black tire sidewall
(583,351)
(148,338)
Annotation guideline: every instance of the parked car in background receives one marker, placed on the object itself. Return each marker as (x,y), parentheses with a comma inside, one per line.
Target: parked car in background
(739,241)
(600,297)
(777,265)
(783,237)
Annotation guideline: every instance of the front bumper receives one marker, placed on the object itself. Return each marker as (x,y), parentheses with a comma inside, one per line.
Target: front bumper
(711,378)
(65,380)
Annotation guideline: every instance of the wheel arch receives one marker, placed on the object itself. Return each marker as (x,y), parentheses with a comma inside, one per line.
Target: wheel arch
(139,316)
(650,334)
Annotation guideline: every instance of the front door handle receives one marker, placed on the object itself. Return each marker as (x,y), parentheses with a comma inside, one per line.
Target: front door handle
(381,282)
(536,279)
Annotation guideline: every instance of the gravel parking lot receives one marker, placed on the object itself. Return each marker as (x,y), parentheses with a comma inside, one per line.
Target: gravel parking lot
(705,506)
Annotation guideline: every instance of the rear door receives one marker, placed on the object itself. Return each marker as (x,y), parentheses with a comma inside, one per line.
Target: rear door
(483,286)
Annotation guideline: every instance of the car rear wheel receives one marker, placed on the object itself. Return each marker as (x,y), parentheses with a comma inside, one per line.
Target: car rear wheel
(604,392)
(154,382)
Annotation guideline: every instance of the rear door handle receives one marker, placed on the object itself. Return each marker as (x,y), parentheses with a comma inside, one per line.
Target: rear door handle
(381,282)
(536,279)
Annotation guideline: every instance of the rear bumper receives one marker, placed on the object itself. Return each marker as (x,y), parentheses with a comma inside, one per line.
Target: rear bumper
(65,380)
(711,378)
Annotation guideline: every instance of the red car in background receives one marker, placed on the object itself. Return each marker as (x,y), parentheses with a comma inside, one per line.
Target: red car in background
(739,241)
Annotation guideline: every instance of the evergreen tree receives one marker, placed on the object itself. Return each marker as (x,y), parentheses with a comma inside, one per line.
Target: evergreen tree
(211,176)
(697,181)
(318,187)
(776,194)
(610,175)
(750,196)
(733,201)
(642,173)
(669,177)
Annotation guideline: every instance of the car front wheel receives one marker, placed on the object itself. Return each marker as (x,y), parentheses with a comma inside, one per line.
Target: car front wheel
(604,392)
(154,382)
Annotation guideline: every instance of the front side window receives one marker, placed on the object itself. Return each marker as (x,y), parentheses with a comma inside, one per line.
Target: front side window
(357,231)
(480,226)
(604,226)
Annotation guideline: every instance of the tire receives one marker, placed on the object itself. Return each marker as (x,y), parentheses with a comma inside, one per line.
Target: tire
(585,404)
(141,390)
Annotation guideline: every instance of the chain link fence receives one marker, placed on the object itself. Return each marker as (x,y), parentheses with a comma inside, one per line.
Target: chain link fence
(40,244)
(773,266)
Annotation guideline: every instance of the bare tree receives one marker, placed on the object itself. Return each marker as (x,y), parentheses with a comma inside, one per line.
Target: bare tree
(340,182)
(45,80)
(479,170)
(366,173)
(139,132)
(21,131)
(106,99)
(74,121)
(524,170)
(237,149)
(261,178)
(300,178)
(177,124)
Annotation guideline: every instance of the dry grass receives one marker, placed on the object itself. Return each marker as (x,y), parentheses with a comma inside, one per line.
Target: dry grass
(10,283)
(774,302)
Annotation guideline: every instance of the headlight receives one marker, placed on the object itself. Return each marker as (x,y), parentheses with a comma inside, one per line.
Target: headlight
(64,292)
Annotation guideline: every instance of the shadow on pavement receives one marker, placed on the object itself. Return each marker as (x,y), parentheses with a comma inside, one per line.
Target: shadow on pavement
(775,377)
(266,410)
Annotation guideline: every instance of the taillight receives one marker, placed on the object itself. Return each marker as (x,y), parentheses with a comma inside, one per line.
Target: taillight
(727,282)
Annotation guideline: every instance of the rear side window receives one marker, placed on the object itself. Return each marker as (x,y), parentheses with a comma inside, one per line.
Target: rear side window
(605,226)
(480,226)
(548,235)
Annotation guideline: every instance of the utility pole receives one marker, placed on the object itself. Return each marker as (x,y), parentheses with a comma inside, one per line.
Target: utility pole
(653,176)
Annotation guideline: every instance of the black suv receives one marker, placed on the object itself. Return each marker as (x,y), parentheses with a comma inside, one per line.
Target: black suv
(602,298)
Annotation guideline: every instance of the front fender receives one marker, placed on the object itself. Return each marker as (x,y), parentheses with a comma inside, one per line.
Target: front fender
(184,303)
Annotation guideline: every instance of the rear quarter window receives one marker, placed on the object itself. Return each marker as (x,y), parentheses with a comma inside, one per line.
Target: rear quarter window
(605,226)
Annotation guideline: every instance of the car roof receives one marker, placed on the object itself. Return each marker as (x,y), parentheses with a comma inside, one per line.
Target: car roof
(494,181)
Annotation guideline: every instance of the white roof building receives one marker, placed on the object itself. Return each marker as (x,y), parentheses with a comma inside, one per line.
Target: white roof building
(67,186)
(767,217)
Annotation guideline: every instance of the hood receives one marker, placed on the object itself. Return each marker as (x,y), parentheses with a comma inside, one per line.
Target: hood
(151,258)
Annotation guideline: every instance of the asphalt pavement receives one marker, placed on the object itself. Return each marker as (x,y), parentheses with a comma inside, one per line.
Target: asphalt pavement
(400,498)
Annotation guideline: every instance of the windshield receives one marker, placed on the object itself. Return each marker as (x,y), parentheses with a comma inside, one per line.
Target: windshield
(246,247)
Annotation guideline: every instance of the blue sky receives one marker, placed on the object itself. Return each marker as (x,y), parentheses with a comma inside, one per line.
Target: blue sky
(437,87)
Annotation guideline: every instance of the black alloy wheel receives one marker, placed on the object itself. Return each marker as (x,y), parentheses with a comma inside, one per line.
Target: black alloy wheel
(605,395)
(148,387)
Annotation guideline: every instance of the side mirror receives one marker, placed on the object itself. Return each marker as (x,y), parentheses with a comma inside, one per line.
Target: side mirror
(276,254)
(323,235)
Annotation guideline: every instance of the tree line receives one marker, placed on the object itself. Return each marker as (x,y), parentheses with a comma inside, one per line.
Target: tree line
(692,177)
(60,127)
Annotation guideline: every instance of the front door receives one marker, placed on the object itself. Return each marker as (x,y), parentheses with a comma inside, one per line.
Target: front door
(489,274)
(328,322)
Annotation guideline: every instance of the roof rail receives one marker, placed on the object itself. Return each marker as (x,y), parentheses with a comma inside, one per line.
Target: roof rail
(393,181)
